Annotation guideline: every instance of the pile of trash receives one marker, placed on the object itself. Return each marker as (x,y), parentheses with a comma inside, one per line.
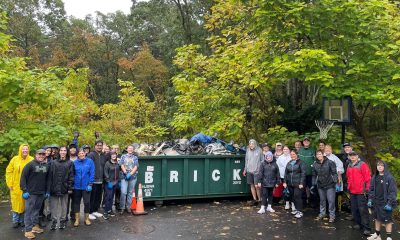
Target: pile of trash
(199,144)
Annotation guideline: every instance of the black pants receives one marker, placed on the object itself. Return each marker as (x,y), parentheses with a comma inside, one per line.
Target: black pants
(109,193)
(117,196)
(359,210)
(96,197)
(77,196)
(296,196)
(267,196)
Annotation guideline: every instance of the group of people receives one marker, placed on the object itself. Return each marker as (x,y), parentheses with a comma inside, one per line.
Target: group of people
(56,179)
(302,174)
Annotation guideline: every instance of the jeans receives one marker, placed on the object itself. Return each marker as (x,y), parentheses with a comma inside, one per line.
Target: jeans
(109,196)
(96,197)
(59,207)
(359,210)
(17,217)
(32,208)
(330,195)
(127,188)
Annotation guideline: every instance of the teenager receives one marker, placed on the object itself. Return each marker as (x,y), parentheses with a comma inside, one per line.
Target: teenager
(111,177)
(268,178)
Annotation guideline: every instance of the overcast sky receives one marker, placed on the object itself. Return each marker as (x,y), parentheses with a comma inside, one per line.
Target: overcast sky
(80,8)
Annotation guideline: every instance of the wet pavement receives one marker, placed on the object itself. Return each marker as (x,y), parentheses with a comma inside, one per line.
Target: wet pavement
(202,219)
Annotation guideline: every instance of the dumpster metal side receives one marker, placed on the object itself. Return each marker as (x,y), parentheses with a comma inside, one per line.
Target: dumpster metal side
(195,176)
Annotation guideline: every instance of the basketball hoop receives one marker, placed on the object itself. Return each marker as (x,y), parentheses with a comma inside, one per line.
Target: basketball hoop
(324,126)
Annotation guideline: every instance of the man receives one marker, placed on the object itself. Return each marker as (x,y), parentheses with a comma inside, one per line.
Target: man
(253,160)
(99,161)
(307,155)
(358,178)
(298,145)
(33,185)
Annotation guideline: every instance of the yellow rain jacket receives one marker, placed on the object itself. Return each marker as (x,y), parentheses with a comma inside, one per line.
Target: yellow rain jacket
(13,177)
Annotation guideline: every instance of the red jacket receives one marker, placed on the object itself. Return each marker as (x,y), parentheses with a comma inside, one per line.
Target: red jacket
(358,177)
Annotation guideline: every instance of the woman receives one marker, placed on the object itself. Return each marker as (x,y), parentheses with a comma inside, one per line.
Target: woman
(295,177)
(268,178)
(278,150)
(325,179)
(83,181)
(129,166)
(282,162)
(13,177)
(339,166)
(111,177)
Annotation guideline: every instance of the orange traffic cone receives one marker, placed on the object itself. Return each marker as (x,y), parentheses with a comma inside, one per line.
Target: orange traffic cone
(139,207)
(133,205)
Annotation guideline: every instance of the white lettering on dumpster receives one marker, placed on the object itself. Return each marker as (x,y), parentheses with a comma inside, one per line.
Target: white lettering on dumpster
(236,175)
(214,175)
(148,177)
(173,176)
(195,176)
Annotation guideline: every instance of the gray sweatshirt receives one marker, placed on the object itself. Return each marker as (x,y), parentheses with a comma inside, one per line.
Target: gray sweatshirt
(253,158)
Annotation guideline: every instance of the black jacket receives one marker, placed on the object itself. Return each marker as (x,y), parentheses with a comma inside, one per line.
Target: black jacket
(389,188)
(34,177)
(111,172)
(99,161)
(61,177)
(295,175)
(268,175)
(325,174)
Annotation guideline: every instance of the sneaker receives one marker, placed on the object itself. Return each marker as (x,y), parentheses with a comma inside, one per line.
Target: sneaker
(111,213)
(29,235)
(294,212)
(92,217)
(261,211)
(366,232)
(331,220)
(374,237)
(298,215)
(356,227)
(121,211)
(37,229)
(63,224)
(22,224)
(105,216)
(97,214)
(15,225)
(128,210)
(287,206)
(320,217)
(388,238)
(53,225)
(269,209)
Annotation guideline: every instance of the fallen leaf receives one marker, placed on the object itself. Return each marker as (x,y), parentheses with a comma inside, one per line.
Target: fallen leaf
(226,228)
(259,234)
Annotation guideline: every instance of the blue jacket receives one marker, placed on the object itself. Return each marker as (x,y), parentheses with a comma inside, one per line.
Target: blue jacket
(389,188)
(83,173)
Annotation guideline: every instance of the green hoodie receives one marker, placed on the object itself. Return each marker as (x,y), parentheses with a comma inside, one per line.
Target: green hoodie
(307,155)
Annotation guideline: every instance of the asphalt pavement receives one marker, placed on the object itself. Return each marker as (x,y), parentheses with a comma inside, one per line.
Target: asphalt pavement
(200,219)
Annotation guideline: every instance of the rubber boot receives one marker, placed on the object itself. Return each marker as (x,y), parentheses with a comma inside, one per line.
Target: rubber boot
(76,223)
(87,220)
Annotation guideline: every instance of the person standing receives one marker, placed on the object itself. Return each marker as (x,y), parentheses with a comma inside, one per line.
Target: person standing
(116,149)
(298,145)
(325,179)
(268,178)
(60,185)
(72,156)
(13,178)
(33,185)
(129,167)
(358,183)
(382,198)
(111,177)
(307,155)
(282,162)
(295,177)
(99,161)
(83,182)
(278,150)
(253,160)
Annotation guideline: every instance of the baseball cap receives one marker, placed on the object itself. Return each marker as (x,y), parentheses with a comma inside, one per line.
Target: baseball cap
(306,138)
(352,153)
(41,151)
(346,144)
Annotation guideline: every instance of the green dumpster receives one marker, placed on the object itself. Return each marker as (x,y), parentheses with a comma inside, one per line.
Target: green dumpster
(195,176)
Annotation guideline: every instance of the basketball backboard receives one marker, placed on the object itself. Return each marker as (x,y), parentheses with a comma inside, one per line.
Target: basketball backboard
(338,110)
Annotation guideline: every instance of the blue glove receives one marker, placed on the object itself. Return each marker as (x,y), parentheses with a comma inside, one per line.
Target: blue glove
(47,195)
(89,188)
(369,204)
(388,208)
(338,188)
(25,195)
(128,176)
(110,185)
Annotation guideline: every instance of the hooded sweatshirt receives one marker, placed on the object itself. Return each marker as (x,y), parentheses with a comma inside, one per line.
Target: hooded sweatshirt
(254,158)
(13,178)
(282,163)
(389,188)
(34,177)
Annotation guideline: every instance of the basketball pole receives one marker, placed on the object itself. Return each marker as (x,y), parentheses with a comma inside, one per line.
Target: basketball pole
(343,133)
